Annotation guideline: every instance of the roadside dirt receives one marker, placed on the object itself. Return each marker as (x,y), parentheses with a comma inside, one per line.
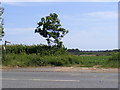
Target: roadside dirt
(60,69)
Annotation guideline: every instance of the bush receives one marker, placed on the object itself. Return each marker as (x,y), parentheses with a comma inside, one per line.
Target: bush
(114,61)
(35,49)
(115,57)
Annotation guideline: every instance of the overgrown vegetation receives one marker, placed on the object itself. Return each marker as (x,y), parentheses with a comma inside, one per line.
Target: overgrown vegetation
(24,60)
(115,60)
(35,49)
(42,55)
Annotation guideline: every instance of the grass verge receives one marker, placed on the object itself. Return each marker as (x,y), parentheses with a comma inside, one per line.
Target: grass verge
(25,60)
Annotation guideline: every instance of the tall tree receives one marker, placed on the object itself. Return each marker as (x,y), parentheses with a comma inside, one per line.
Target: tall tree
(1,23)
(50,28)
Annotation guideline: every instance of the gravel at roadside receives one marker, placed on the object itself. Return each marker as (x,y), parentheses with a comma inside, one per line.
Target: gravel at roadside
(61,69)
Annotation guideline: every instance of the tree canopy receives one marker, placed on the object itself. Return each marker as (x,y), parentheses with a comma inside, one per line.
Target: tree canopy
(50,28)
(1,23)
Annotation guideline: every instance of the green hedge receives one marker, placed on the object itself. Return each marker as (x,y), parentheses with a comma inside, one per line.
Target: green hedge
(35,49)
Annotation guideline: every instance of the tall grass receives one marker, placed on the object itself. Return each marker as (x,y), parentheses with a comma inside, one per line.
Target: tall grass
(114,60)
(37,60)
(42,55)
(24,60)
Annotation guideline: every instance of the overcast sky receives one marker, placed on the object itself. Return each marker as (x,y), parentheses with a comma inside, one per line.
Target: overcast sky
(91,25)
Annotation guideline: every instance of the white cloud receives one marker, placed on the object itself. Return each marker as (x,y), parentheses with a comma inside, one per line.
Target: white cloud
(14,3)
(95,38)
(13,31)
(23,36)
(90,31)
(107,14)
(59,0)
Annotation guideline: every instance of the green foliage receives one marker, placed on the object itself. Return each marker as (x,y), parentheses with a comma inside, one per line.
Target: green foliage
(50,28)
(35,49)
(97,53)
(25,60)
(42,55)
(115,60)
(93,60)
(1,23)
(115,56)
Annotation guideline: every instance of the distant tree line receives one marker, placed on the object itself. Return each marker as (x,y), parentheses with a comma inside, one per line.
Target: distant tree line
(97,53)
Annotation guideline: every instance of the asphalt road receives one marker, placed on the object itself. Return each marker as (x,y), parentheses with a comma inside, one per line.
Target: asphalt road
(13,79)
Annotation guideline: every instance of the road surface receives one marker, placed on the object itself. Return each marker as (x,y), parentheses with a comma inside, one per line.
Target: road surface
(38,79)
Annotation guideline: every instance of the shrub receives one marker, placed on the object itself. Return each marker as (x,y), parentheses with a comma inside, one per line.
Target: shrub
(35,49)
(115,57)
